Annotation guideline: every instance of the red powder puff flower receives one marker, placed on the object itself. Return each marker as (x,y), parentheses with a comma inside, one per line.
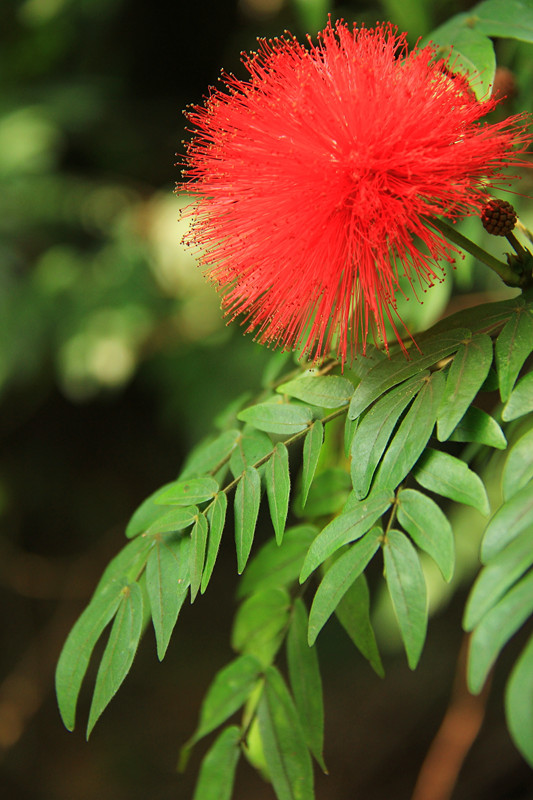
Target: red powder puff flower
(317,178)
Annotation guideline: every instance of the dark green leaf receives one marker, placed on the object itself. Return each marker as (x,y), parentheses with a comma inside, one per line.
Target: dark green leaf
(312,446)
(282,418)
(353,612)
(428,527)
(277,566)
(375,430)
(496,578)
(261,622)
(147,513)
(495,630)
(518,468)
(412,436)
(513,346)
(347,527)
(328,494)
(306,683)
(513,517)
(167,582)
(519,702)
(278,486)
(287,757)
(216,516)
(209,455)
(247,499)
(197,554)
(350,427)
(484,318)
(397,369)
(326,391)
(521,400)
(251,448)
(407,589)
(478,426)
(467,373)
(217,773)
(189,492)
(449,476)
(119,652)
(339,578)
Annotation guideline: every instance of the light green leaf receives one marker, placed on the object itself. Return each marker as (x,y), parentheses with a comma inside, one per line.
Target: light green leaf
(495,630)
(210,454)
(147,513)
(347,527)
(511,518)
(188,492)
(197,554)
(173,521)
(350,427)
(407,589)
(339,578)
(278,486)
(251,448)
(375,429)
(306,683)
(167,582)
(326,391)
(513,346)
(521,400)
(247,499)
(390,372)
(287,757)
(216,516)
(126,566)
(510,19)
(119,652)
(353,613)
(519,702)
(495,579)
(518,470)
(429,528)
(412,435)
(450,477)
(260,623)
(281,418)
(478,426)
(217,772)
(312,446)
(327,495)
(472,54)
(469,368)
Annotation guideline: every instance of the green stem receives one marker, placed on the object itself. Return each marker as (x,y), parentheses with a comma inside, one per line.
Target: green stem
(508,275)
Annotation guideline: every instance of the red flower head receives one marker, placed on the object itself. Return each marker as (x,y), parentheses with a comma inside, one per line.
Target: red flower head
(316,180)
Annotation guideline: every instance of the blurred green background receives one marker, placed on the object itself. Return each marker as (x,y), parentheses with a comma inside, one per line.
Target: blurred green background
(110,346)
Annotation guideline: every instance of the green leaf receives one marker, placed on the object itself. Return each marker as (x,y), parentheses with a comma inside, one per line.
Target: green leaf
(518,470)
(353,613)
(495,579)
(78,648)
(277,565)
(407,589)
(197,554)
(217,772)
(495,630)
(287,757)
(147,513)
(189,492)
(478,426)
(428,527)
(126,566)
(472,54)
(450,477)
(247,499)
(173,521)
(251,448)
(261,622)
(467,373)
(513,346)
(375,429)
(278,486)
(281,418)
(119,652)
(511,518)
(412,435)
(397,369)
(306,683)
(347,527)
(519,702)
(312,446)
(339,578)
(328,494)
(209,455)
(326,391)
(521,400)
(216,516)
(512,19)
(350,427)
(167,582)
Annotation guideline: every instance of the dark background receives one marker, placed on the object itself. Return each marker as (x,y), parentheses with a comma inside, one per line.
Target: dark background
(110,346)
